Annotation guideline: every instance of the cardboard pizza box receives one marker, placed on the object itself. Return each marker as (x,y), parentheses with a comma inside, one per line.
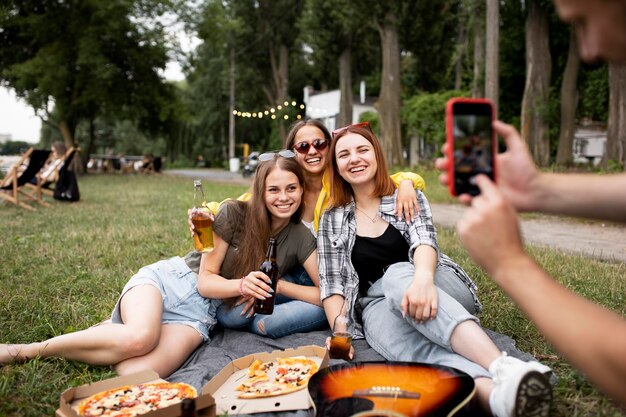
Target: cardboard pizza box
(72,396)
(222,386)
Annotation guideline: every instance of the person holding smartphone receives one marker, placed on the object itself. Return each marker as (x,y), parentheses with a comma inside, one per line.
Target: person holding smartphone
(590,336)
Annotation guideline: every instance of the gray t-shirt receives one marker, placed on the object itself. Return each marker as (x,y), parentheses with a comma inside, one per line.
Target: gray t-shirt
(294,243)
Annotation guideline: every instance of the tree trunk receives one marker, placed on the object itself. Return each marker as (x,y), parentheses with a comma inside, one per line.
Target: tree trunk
(388,104)
(536,91)
(569,102)
(478,81)
(461,46)
(345,84)
(277,91)
(67,128)
(616,135)
(231,106)
(492,71)
(282,86)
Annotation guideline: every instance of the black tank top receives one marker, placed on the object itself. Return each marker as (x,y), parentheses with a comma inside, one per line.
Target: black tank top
(371,255)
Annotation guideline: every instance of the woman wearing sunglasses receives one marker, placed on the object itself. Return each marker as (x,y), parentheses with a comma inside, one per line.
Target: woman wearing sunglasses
(410,301)
(241,233)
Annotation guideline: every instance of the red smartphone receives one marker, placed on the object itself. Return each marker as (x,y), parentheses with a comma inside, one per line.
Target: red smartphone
(472,144)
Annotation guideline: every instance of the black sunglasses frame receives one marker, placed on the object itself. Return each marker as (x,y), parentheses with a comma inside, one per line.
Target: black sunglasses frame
(303,147)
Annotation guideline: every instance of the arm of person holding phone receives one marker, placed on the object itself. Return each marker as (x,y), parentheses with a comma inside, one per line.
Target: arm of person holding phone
(591,337)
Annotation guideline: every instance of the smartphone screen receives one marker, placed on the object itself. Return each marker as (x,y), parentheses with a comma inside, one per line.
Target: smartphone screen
(473,144)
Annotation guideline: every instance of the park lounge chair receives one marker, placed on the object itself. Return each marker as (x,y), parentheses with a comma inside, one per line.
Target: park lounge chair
(44,181)
(15,181)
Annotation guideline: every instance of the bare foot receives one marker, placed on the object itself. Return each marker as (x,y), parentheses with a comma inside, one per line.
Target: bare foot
(11,353)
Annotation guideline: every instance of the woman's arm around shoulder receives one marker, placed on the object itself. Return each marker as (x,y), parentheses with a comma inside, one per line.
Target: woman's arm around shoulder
(407,205)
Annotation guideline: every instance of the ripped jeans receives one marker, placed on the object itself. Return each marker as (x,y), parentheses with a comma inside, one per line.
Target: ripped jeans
(289,316)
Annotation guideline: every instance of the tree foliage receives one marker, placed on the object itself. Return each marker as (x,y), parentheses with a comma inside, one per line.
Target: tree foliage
(87,58)
(424,115)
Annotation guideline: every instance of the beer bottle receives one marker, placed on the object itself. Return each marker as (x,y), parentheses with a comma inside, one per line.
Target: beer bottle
(269,268)
(188,408)
(201,219)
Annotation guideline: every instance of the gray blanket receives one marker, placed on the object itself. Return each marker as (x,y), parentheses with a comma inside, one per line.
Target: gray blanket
(227,345)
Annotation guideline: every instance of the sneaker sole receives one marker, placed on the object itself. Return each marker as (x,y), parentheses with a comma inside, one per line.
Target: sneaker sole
(534,396)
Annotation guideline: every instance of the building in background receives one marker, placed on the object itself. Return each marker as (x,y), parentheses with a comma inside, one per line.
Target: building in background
(324,106)
(589,143)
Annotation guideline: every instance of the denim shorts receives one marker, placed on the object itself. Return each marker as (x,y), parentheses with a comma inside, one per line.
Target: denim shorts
(182,304)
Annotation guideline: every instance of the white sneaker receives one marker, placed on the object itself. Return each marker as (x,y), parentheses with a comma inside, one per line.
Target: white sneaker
(519,388)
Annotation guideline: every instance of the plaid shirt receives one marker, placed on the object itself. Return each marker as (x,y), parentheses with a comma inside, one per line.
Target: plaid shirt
(335,241)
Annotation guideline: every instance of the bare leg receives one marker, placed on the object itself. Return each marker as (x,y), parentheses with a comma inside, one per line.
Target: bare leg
(176,343)
(106,344)
(484,386)
(471,342)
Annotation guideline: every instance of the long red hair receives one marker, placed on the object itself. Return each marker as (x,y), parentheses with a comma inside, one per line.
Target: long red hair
(340,190)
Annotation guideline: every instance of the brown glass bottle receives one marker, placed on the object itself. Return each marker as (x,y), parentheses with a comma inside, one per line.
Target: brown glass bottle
(188,408)
(269,268)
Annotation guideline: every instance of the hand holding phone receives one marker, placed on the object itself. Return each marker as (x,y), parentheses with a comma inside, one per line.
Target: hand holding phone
(471,143)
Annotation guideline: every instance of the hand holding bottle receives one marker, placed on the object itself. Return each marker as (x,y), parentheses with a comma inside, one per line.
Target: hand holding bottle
(201,219)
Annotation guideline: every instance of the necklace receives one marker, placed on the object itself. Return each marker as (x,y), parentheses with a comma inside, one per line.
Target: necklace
(373,219)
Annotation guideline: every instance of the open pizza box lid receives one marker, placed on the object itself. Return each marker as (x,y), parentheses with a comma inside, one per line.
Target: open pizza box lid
(222,386)
(71,397)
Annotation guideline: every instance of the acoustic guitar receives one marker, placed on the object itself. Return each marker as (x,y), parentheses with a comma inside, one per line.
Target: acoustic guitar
(398,389)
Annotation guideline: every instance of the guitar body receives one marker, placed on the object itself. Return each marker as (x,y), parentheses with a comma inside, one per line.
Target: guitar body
(404,389)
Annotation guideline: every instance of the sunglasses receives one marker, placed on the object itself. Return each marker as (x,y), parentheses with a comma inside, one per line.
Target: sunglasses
(339,131)
(268,156)
(318,144)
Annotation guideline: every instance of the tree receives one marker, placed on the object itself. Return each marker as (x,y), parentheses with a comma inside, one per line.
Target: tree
(388,105)
(478,79)
(329,28)
(86,58)
(537,88)
(569,100)
(616,135)
(278,17)
(492,59)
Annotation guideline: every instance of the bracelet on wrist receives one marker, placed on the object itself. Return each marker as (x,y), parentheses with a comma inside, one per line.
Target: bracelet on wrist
(243,278)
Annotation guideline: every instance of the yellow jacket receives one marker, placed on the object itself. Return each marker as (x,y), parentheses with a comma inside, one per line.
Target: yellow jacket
(324,198)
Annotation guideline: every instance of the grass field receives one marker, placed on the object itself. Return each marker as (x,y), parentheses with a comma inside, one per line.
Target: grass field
(62,268)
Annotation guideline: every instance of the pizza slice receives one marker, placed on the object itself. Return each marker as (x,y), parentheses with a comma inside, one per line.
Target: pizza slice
(251,382)
(268,389)
(295,371)
(133,400)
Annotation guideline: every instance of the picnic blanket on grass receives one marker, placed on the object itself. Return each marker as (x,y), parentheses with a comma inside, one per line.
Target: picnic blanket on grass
(227,345)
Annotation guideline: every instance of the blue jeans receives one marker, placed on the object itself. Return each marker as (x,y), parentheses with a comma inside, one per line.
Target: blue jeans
(289,316)
(403,339)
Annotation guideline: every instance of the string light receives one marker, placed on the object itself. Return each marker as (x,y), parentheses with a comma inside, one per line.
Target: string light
(273,111)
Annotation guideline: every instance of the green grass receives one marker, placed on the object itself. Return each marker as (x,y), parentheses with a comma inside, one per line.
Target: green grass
(62,269)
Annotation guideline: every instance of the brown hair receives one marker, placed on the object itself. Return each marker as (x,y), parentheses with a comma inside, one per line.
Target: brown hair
(60,148)
(293,130)
(340,190)
(257,219)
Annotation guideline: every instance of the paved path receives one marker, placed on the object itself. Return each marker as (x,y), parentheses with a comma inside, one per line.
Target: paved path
(606,242)
(603,241)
